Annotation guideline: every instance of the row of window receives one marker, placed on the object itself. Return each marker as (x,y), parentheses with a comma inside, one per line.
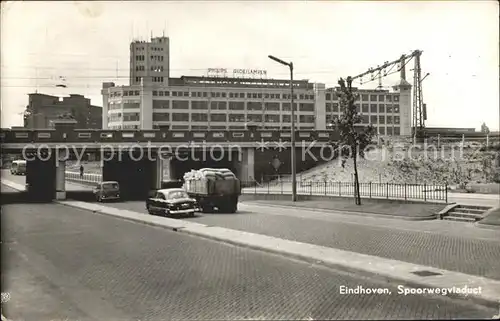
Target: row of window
(365,108)
(152,48)
(367,97)
(153,57)
(153,68)
(232,105)
(231,95)
(113,106)
(370,119)
(124,117)
(237,118)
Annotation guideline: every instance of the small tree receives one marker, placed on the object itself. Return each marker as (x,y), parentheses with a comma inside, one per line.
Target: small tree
(353,139)
(485,129)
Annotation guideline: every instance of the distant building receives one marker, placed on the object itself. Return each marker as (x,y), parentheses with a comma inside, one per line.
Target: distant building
(154,100)
(43,110)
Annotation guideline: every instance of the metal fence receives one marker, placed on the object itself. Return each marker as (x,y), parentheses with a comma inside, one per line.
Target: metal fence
(424,192)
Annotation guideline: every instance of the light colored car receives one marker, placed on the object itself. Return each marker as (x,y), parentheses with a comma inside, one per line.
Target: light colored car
(171,201)
(18,167)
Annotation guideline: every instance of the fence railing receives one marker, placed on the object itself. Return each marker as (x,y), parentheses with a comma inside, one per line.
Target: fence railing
(85,179)
(424,192)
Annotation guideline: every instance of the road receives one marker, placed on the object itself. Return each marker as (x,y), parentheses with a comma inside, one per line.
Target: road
(448,245)
(64,263)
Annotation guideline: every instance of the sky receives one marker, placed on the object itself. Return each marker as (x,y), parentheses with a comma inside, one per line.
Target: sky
(87,43)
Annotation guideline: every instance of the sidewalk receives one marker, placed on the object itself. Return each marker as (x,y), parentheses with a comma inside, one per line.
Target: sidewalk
(369,207)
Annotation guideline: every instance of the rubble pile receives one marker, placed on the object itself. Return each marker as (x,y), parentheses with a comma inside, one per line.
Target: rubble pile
(210,174)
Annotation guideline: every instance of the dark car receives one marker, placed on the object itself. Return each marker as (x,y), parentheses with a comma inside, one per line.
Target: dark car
(170,202)
(109,190)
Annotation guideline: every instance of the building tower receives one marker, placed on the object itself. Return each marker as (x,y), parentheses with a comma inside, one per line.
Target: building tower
(403,87)
(150,61)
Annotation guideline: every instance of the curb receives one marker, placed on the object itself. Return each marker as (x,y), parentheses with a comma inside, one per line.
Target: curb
(346,212)
(488,226)
(384,270)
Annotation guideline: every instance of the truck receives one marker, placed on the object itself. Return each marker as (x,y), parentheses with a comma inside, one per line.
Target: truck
(211,193)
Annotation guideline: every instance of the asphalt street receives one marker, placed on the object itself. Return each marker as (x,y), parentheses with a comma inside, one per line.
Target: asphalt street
(63,263)
(448,245)
(453,246)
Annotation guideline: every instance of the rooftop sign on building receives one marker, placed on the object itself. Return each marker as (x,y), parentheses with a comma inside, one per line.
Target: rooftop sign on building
(237,73)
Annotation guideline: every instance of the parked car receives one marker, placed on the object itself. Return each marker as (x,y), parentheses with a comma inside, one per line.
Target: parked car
(109,190)
(18,167)
(171,201)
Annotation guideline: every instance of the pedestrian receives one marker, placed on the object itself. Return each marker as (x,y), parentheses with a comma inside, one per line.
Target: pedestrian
(81,171)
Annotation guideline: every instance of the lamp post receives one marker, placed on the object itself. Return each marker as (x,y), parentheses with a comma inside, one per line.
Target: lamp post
(292,138)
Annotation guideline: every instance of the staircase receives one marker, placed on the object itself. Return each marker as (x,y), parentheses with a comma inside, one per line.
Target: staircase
(466,213)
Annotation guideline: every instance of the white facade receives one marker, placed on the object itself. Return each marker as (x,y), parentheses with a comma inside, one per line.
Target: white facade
(201,103)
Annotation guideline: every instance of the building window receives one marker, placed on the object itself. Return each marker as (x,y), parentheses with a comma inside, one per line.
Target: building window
(388,98)
(364,108)
(186,93)
(237,118)
(306,107)
(155,93)
(396,119)
(242,95)
(199,105)
(180,104)
(236,105)
(218,117)
(254,118)
(221,105)
(389,131)
(306,118)
(373,97)
(373,108)
(328,107)
(396,131)
(365,119)
(131,117)
(381,97)
(161,104)
(381,108)
(131,105)
(373,119)
(199,117)
(272,106)
(396,109)
(381,119)
(381,130)
(286,107)
(161,117)
(396,97)
(288,118)
(389,109)
(180,117)
(389,119)
(251,105)
(364,97)
(272,118)
(336,107)
(358,108)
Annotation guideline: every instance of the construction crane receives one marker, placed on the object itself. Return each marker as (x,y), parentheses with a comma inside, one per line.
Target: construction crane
(419,108)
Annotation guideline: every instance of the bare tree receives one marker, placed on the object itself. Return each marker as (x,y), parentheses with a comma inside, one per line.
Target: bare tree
(354,139)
